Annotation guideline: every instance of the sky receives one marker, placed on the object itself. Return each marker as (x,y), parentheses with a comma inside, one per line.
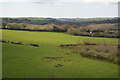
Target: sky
(59,8)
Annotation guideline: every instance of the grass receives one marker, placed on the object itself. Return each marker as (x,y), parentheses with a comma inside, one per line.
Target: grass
(22,61)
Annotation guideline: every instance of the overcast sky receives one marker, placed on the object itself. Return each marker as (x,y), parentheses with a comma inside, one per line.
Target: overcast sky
(59,8)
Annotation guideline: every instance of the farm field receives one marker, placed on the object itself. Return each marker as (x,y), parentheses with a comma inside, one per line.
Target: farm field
(23,61)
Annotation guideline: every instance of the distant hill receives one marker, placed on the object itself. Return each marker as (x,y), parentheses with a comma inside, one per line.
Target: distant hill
(60,21)
(38,21)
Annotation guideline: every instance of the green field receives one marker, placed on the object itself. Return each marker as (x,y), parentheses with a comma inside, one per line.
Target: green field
(23,61)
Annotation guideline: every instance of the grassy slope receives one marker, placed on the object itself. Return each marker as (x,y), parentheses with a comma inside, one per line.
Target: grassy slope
(25,61)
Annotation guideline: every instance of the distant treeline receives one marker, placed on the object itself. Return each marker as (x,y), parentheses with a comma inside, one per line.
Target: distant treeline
(88,27)
(35,21)
(61,21)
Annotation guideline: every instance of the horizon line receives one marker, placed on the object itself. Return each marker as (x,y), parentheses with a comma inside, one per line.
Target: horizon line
(54,17)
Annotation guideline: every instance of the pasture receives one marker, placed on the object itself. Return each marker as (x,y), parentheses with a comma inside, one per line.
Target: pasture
(49,60)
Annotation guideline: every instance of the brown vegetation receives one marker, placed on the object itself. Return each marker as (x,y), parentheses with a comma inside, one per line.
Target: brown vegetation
(97,50)
(95,30)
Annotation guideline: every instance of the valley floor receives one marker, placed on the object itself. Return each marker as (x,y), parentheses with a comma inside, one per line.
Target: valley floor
(49,60)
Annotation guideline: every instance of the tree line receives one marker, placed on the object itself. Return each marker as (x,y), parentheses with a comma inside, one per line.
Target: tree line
(94,30)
